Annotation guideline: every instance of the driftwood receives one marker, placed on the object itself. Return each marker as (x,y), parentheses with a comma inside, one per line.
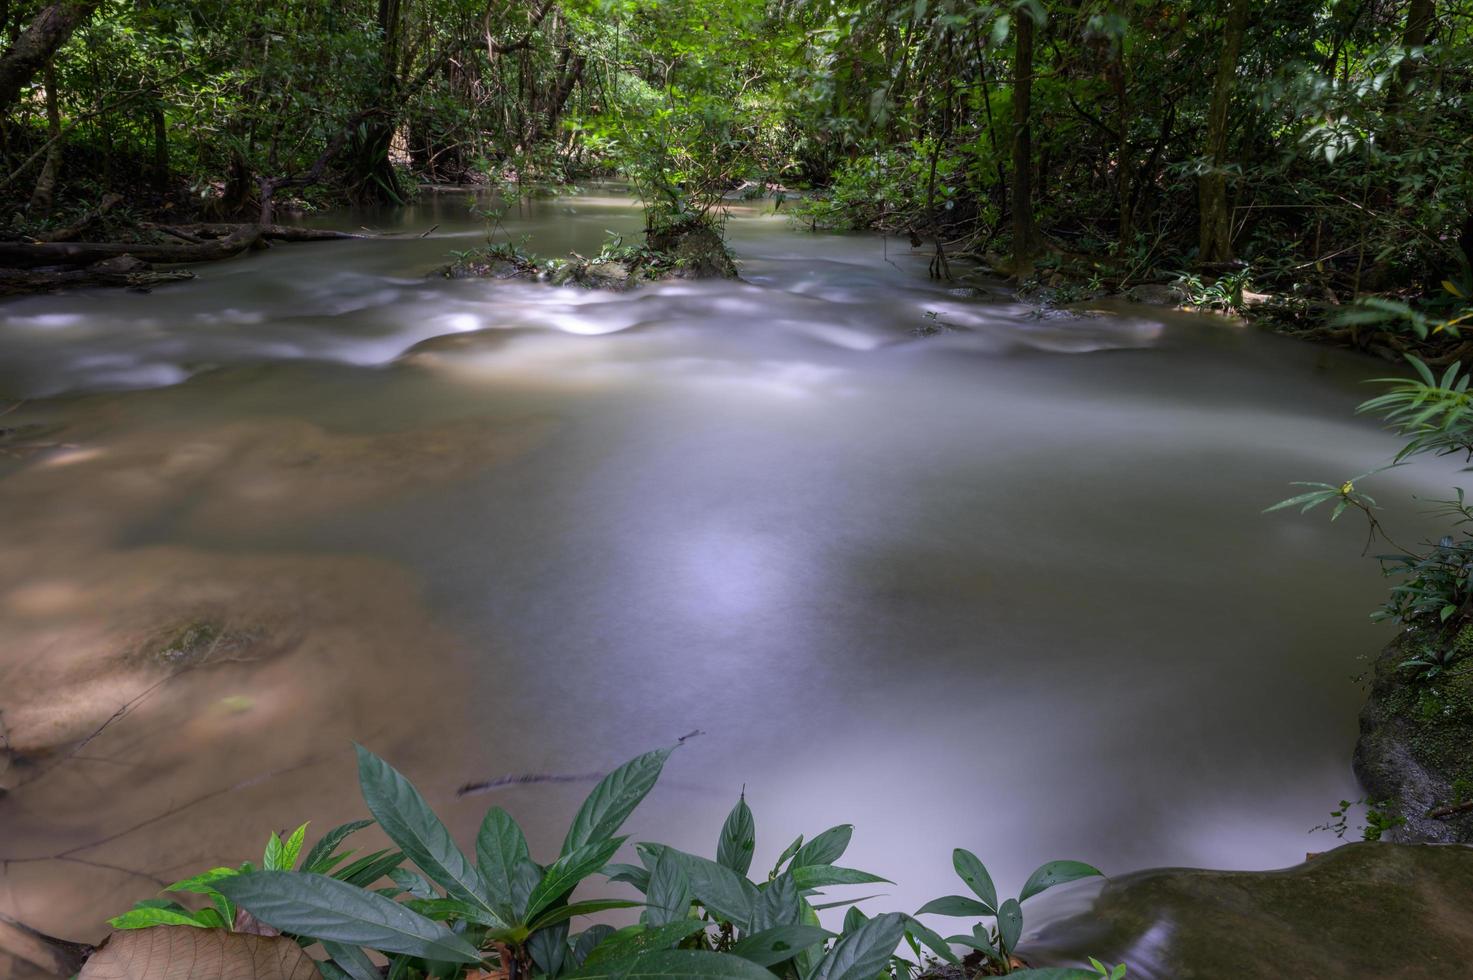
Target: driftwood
(123,270)
(108,202)
(212,242)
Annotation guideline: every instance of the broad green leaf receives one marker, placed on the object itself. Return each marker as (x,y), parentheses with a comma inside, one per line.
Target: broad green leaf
(853,919)
(586,941)
(410,823)
(637,940)
(724,893)
(932,940)
(958,905)
(549,948)
(826,848)
(772,946)
(352,961)
(564,873)
(370,868)
(322,850)
(500,848)
(1056,873)
(144,918)
(668,897)
(202,884)
(630,874)
(417,885)
(823,875)
(787,853)
(859,955)
(673,964)
(972,871)
(562,913)
(324,908)
(442,909)
(778,904)
(1009,925)
(738,838)
(614,799)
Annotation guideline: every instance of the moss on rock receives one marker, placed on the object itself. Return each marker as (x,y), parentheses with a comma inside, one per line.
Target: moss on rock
(1416,736)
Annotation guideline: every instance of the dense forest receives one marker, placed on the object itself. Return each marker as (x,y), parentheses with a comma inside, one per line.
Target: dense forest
(1314,151)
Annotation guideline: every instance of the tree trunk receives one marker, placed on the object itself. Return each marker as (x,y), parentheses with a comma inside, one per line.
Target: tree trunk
(1025,231)
(33,49)
(371,175)
(1418,26)
(160,149)
(44,194)
(1215,229)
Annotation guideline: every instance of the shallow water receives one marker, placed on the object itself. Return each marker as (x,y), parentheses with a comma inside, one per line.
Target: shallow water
(1005,587)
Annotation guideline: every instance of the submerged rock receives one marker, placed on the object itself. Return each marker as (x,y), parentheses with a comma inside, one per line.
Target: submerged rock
(1415,750)
(1362,910)
(1157,294)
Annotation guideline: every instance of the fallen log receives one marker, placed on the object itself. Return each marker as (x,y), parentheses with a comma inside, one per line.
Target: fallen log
(215,242)
(125,271)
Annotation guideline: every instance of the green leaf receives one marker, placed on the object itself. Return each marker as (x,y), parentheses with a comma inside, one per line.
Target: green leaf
(777,905)
(442,909)
(370,868)
(614,799)
(1056,873)
(204,883)
(417,885)
(668,898)
(500,848)
(564,912)
(724,893)
(673,964)
(586,941)
(738,838)
(638,940)
(549,948)
(411,824)
(324,908)
(352,961)
(860,954)
(564,873)
(773,946)
(144,918)
(630,874)
(322,851)
(1009,925)
(787,853)
(958,905)
(932,940)
(972,871)
(826,848)
(823,875)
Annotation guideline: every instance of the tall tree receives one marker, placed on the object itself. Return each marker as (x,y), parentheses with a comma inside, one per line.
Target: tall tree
(1215,229)
(33,49)
(1025,229)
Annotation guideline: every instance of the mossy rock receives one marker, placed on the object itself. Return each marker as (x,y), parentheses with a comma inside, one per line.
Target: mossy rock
(1416,739)
(1362,910)
(695,250)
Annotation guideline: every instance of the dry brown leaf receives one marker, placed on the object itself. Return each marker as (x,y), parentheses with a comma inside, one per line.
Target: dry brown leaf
(186,953)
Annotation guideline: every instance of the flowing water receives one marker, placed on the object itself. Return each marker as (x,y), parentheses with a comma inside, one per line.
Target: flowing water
(1004,586)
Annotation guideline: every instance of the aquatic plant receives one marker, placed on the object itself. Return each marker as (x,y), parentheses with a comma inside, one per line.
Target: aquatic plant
(451,916)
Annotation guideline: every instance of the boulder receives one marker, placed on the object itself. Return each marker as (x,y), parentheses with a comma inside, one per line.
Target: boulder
(1362,910)
(1415,749)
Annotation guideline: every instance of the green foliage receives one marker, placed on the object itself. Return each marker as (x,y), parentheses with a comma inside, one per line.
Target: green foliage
(700,918)
(999,944)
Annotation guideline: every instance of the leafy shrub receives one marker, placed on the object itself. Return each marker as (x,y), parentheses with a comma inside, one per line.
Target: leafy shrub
(699,918)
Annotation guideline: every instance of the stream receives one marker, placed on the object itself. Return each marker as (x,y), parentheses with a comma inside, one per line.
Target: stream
(909,554)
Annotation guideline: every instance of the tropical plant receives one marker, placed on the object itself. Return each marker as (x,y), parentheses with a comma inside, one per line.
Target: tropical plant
(699,918)
(999,943)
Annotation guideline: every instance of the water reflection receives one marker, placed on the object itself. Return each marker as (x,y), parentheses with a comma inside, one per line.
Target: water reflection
(956,589)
